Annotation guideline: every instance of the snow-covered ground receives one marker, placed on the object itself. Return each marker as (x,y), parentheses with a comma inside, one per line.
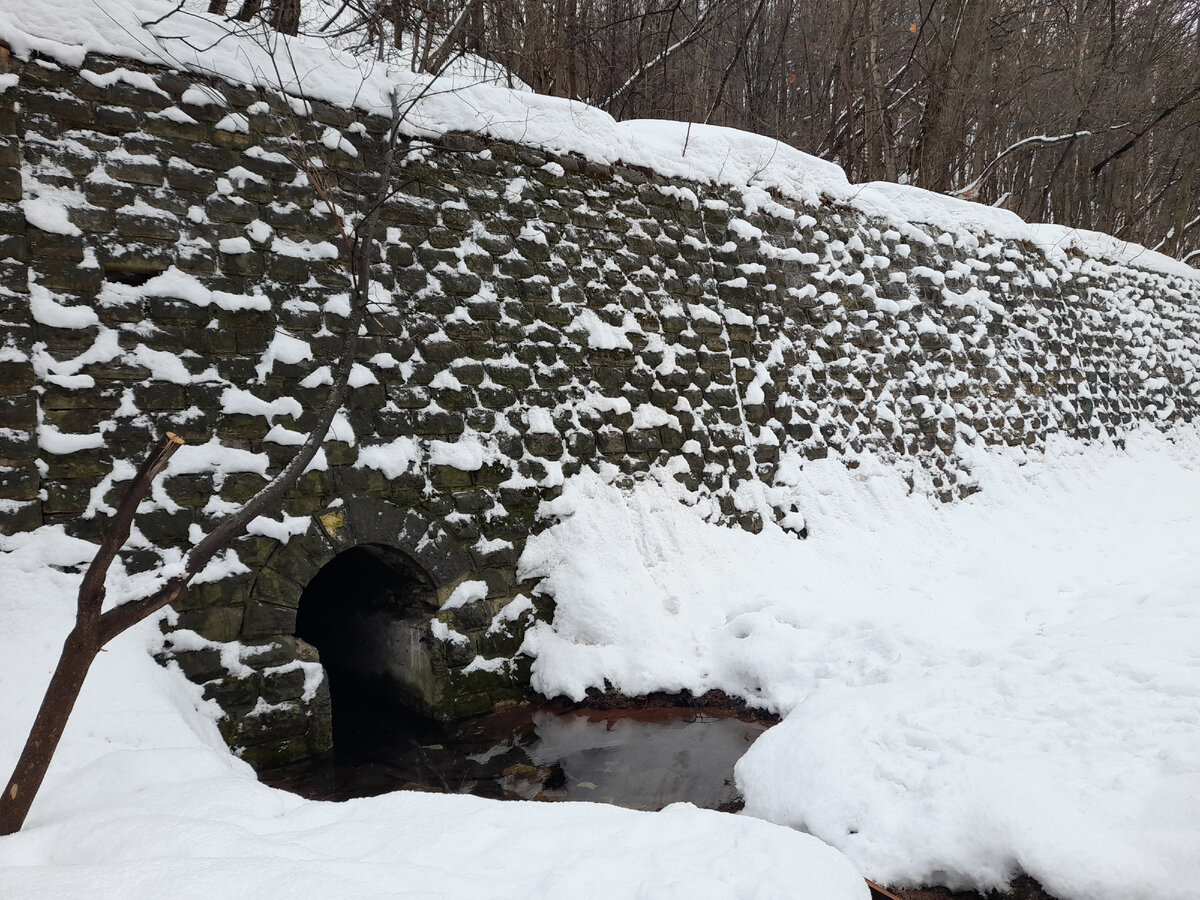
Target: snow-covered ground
(1009,682)
(145,801)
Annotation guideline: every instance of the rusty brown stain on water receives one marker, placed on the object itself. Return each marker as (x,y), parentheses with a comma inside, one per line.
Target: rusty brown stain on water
(643,758)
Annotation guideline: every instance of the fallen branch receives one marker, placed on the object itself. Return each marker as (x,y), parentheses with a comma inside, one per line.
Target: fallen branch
(878,892)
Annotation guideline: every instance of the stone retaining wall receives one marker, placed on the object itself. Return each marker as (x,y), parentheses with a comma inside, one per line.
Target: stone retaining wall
(165,264)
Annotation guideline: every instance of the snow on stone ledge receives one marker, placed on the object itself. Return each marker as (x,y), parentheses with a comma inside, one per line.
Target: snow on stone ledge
(213,456)
(467,592)
(67,31)
(392,459)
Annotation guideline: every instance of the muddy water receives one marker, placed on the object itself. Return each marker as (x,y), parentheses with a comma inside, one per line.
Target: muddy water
(637,758)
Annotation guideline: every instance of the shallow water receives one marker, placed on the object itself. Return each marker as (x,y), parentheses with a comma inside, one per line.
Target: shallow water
(637,758)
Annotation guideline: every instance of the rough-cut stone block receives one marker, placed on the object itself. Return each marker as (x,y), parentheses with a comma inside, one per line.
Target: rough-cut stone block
(266,619)
(199,665)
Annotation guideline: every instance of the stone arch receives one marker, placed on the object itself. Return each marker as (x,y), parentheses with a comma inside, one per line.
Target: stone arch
(287,570)
(357,591)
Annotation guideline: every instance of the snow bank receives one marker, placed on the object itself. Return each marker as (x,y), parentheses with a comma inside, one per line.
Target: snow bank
(67,31)
(1009,682)
(144,800)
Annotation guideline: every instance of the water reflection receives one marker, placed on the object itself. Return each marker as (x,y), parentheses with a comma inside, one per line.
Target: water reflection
(642,759)
(644,762)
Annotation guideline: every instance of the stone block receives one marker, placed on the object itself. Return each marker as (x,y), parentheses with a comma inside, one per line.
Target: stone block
(545,445)
(266,619)
(45,245)
(18,517)
(240,487)
(610,441)
(462,528)
(270,753)
(16,378)
(234,695)
(93,218)
(281,686)
(279,650)
(436,423)
(276,588)
(287,720)
(226,592)
(60,108)
(19,482)
(643,440)
(449,478)
(139,171)
(142,227)
(199,665)
(269,167)
(250,265)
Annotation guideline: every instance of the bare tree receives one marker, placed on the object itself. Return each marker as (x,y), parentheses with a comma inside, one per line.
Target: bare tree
(95,627)
(1081,111)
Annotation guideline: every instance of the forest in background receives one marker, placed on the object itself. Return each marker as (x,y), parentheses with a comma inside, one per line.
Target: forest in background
(1079,112)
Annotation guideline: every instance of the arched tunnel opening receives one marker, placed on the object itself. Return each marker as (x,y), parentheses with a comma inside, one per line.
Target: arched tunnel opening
(366,612)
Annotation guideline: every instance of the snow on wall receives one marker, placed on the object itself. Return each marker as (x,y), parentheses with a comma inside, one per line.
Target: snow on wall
(167,265)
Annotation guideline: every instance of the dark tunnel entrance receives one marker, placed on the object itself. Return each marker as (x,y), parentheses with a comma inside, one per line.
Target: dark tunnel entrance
(367,612)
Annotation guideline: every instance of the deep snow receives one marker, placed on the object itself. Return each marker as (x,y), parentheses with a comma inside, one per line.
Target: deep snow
(1007,683)
(1010,681)
(145,801)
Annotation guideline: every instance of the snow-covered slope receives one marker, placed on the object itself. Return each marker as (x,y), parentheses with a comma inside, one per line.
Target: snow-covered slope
(67,30)
(1008,683)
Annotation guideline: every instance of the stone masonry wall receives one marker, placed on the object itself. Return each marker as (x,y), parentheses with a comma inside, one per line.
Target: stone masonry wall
(165,264)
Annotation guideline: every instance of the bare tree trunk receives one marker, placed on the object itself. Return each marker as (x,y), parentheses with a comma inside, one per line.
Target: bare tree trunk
(882,137)
(78,652)
(453,40)
(285,16)
(79,649)
(249,9)
(737,55)
(94,628)
(1183,195)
